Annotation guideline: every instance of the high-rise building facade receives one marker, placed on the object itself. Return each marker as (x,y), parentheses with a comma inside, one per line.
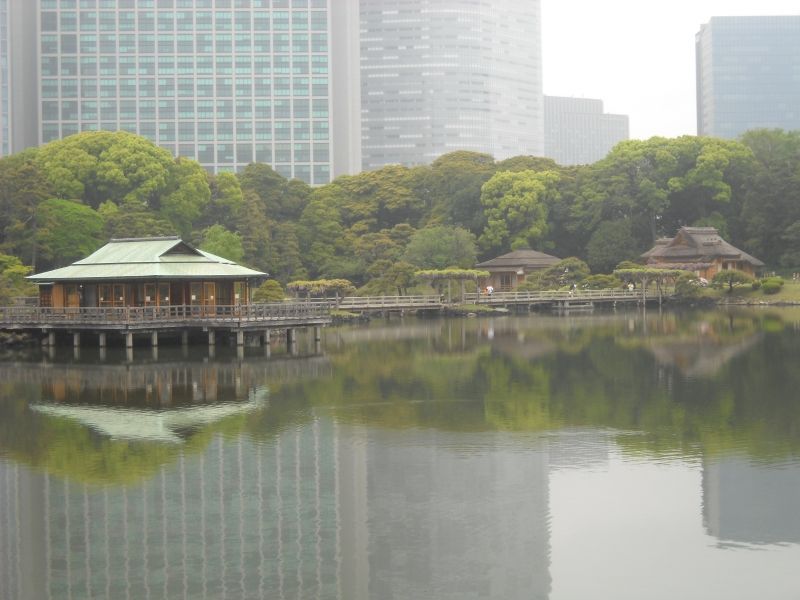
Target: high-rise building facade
(578,132)
(226,82)
(445,75)
(748,75)
(18,89)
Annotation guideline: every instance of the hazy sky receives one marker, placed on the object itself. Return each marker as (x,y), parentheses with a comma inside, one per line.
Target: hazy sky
(635,55)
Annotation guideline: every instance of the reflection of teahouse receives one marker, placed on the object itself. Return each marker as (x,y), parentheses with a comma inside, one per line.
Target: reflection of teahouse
(164,271)
(506,272)
(702,251)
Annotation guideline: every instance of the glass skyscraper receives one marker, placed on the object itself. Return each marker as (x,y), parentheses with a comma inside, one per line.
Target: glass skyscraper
(748,75)
(226,82)
(445,75)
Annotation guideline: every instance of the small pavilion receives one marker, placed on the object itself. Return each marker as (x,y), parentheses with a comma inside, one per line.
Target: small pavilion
(147,272)
(506,272)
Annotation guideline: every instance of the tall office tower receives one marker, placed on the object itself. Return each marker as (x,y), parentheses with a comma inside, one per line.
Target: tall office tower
(226,82)
(748,75)
(578,132)
(445,75)
(18,110)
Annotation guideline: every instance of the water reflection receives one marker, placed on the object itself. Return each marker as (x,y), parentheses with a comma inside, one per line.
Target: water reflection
(422,459)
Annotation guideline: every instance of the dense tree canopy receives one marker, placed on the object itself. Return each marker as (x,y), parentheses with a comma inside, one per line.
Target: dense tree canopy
(378,226)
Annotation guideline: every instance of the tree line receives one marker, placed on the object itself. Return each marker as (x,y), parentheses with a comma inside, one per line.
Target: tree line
(63,200)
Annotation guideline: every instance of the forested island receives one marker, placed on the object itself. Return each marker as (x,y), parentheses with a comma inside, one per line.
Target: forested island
(376,229)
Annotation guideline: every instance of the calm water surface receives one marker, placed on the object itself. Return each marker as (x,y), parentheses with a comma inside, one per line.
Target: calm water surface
(605,456)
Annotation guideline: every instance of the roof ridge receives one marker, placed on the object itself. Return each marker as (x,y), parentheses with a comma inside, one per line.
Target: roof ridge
(145,239)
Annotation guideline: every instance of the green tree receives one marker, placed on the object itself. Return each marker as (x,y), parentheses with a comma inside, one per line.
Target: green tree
(440,247)
(218,240)
(269,291)
(22,187)
(12,279)
(132,219)
(516,209)
(731,278)
(610,243)
(188,196)
(95,166)
(281,200)
(67,231)
(321,234)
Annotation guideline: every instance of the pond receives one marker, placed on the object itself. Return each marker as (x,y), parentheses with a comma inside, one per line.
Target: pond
(612,455)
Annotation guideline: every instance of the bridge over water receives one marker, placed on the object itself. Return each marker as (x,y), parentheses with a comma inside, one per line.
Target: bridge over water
(262,319)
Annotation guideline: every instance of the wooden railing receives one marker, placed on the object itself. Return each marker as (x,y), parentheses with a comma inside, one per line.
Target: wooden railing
(378,302)
(143,315)
(553,296)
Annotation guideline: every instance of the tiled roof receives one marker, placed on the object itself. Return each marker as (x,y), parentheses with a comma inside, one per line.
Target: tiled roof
(148,258)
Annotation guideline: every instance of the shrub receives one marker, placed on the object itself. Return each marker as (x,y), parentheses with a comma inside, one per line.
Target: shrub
(755,285)
(770,287)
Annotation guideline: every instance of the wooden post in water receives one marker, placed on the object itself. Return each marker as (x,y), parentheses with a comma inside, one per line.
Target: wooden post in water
(76,340)
(267,337)
(212,338)
(129,339)
(51,339)
(154,339)
(240,337)
(101,340)
(185,337)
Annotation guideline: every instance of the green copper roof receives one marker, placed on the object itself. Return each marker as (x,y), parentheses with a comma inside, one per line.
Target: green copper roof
(148,258)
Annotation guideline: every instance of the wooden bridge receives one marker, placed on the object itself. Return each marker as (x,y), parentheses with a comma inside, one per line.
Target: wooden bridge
(560,298)
(261,319)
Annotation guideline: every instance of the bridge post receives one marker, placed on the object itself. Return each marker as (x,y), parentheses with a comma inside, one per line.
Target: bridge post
(212,338)
(317,339)
(185,337)
(154,339)
(51,339)
(267,338)
(240,337)
(76,340)
(102,342)
(128,340)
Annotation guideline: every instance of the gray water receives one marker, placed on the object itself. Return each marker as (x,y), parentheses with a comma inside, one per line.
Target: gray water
(563,457)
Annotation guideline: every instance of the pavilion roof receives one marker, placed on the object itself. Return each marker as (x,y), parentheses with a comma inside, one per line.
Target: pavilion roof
(148,258)
(519,259)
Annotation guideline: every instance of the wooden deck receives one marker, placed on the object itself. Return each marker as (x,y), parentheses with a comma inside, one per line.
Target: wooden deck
(243,317)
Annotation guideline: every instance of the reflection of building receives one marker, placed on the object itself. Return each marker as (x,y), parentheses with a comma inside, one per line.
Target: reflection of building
(747,75)
(751,502)
(434,533)
(578,132)
(701,357)
(702,251)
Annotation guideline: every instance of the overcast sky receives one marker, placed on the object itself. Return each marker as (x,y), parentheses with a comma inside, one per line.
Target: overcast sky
(635,55)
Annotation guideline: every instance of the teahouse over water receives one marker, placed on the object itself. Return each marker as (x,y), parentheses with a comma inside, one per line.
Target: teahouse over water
(702,251)
(160,271)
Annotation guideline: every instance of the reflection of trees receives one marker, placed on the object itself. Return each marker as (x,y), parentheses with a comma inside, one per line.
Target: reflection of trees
(513,374)
(594,376)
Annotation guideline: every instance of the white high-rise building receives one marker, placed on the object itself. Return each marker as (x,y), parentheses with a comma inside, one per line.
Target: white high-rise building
(578,132)
(445,75)
(226,82)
